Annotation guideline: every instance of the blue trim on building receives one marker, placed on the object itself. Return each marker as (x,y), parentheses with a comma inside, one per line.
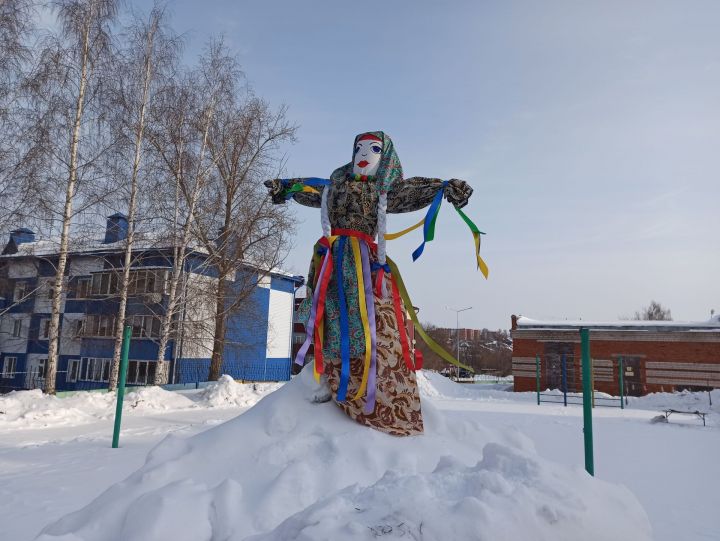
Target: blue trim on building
(246,336)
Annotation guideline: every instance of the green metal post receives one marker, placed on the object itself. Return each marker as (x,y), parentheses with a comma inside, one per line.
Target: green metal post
(121,384)
(592,382)
(537,377)
(587,400)
(622,386)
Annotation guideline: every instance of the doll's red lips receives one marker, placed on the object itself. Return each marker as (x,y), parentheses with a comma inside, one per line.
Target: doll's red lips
(363,164)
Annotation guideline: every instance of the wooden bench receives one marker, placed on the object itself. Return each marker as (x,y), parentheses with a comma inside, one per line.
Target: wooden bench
(699,414)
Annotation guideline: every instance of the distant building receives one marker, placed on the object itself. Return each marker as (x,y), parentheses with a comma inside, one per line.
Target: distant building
(656,355)
(258,337)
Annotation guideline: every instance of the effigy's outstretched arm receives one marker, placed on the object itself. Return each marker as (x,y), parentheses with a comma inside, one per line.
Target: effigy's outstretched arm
(306,191)
(418,192)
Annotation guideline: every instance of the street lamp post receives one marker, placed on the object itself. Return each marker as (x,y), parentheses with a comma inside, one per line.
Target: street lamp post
(457,331)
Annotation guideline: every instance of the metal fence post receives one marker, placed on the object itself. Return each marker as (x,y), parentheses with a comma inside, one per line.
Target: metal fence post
(537,377)
(121,384)
(587,406)
(564,379)
(620,379)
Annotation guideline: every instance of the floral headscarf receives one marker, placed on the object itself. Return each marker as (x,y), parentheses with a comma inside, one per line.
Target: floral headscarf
(389,171)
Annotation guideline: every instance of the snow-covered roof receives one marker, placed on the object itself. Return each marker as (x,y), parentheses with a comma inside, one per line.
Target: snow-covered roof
(712,324)
(44,248)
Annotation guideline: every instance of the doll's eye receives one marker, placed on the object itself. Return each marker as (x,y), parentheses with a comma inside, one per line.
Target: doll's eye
(376,149)
(357,149)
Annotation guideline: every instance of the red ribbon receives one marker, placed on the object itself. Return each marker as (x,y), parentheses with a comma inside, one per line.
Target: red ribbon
(400,317)
(354,233)
(320,314)
(379,281)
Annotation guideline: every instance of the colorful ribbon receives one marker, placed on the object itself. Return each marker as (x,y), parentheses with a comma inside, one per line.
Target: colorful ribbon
(307,185)
(429,221)
(381,271)
(300,358)
(400,318)
(476,238)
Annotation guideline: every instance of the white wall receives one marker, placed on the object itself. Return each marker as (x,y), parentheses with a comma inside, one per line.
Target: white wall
(199,317)
(81,266)
(22,269)
(279,324)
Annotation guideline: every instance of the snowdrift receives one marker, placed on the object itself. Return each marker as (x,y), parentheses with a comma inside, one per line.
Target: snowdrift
(292,469)
(33,409)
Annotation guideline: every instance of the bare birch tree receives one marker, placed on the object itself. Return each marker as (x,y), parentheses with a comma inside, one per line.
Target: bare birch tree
(149,55)
(184,118)
(239,228)
(16,47)
(68,92)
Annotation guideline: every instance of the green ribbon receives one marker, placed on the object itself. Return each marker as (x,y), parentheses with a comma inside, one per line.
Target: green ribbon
(469,222)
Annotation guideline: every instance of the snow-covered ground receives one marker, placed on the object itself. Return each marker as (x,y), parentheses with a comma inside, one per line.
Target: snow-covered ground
(492,465)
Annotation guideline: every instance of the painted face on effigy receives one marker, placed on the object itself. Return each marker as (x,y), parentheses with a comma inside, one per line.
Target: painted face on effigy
(368,151)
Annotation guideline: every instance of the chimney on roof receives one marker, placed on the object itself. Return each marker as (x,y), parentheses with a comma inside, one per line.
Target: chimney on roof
(18,237)
(116,229)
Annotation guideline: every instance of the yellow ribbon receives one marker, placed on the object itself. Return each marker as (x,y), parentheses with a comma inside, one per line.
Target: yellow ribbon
(393,236)
(481,264)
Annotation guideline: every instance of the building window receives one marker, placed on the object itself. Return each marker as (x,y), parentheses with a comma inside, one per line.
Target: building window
(100,326)
(73,370)
(19,292)
(141,282)
(17,328)
(94,369)
(79,328)
(9,367)
(141,372)
(83,288)
(44,328)
(145,326)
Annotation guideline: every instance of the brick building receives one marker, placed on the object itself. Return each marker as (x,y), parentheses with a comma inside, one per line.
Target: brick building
(656,356)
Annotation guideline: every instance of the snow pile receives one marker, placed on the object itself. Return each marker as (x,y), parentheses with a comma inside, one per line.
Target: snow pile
(507,495)
(683,400)
(226,392)
(33,409)
(292,469)
(151,398)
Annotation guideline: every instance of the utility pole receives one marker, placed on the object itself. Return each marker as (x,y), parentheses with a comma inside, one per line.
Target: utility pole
(457,331)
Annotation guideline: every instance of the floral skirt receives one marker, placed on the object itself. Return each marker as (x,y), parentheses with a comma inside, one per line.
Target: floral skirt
(397,403)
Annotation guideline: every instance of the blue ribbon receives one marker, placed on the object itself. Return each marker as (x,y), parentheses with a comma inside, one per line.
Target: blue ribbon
(311,181)
(432,211)
(377,266)
(344,326)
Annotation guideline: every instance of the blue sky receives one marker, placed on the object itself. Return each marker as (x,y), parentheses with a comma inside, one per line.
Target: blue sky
(590,132)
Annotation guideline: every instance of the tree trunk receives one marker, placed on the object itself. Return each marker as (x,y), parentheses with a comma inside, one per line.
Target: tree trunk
(54,330)
(216,362)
